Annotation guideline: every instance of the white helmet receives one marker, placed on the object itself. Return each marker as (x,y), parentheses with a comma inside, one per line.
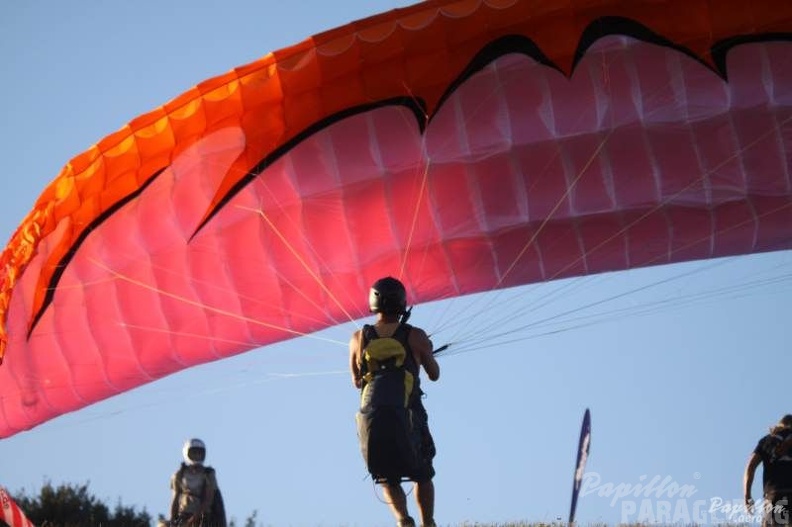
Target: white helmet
(194,451)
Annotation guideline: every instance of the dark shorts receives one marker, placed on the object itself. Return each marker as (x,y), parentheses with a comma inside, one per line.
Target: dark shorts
(425,470)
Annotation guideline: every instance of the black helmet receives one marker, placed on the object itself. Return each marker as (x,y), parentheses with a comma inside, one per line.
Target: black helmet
(388,296)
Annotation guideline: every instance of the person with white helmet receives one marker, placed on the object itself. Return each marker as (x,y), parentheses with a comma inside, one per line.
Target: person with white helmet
(196,500)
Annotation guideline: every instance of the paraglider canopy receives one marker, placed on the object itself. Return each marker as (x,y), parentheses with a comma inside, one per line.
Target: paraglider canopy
(525,145)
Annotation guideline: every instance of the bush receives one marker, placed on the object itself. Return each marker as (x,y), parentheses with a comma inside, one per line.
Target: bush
(70,505)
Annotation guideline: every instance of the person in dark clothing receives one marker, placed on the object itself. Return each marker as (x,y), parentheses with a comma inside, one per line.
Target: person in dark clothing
(387,298)
(774,452)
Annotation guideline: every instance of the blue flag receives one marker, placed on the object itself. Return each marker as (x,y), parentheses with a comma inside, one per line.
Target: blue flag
(580,465)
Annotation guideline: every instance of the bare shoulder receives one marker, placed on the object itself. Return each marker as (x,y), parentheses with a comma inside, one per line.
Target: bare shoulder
(355,338)
(419,339)
(418,331)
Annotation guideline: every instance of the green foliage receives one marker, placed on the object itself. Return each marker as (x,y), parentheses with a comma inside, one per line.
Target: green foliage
(249,522)
(71,505)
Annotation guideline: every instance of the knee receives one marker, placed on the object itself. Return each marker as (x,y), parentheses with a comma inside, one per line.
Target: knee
(393,489)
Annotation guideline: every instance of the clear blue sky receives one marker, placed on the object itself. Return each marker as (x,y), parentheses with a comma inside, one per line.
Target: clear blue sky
(682,377)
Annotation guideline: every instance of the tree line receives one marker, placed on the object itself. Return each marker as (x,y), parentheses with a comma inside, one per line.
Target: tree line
(73,505)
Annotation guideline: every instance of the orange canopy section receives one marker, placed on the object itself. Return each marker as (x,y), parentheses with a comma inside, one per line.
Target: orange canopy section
(417,52)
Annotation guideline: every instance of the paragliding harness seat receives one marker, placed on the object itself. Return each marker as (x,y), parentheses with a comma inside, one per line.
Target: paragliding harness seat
(217,515)
(390,437)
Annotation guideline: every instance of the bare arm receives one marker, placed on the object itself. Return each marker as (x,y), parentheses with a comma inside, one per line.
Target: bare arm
(750,470)
(354,359)
(422,350)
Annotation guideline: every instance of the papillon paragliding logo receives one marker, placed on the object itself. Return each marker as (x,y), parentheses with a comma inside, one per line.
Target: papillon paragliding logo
(12,514)
(580,465)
